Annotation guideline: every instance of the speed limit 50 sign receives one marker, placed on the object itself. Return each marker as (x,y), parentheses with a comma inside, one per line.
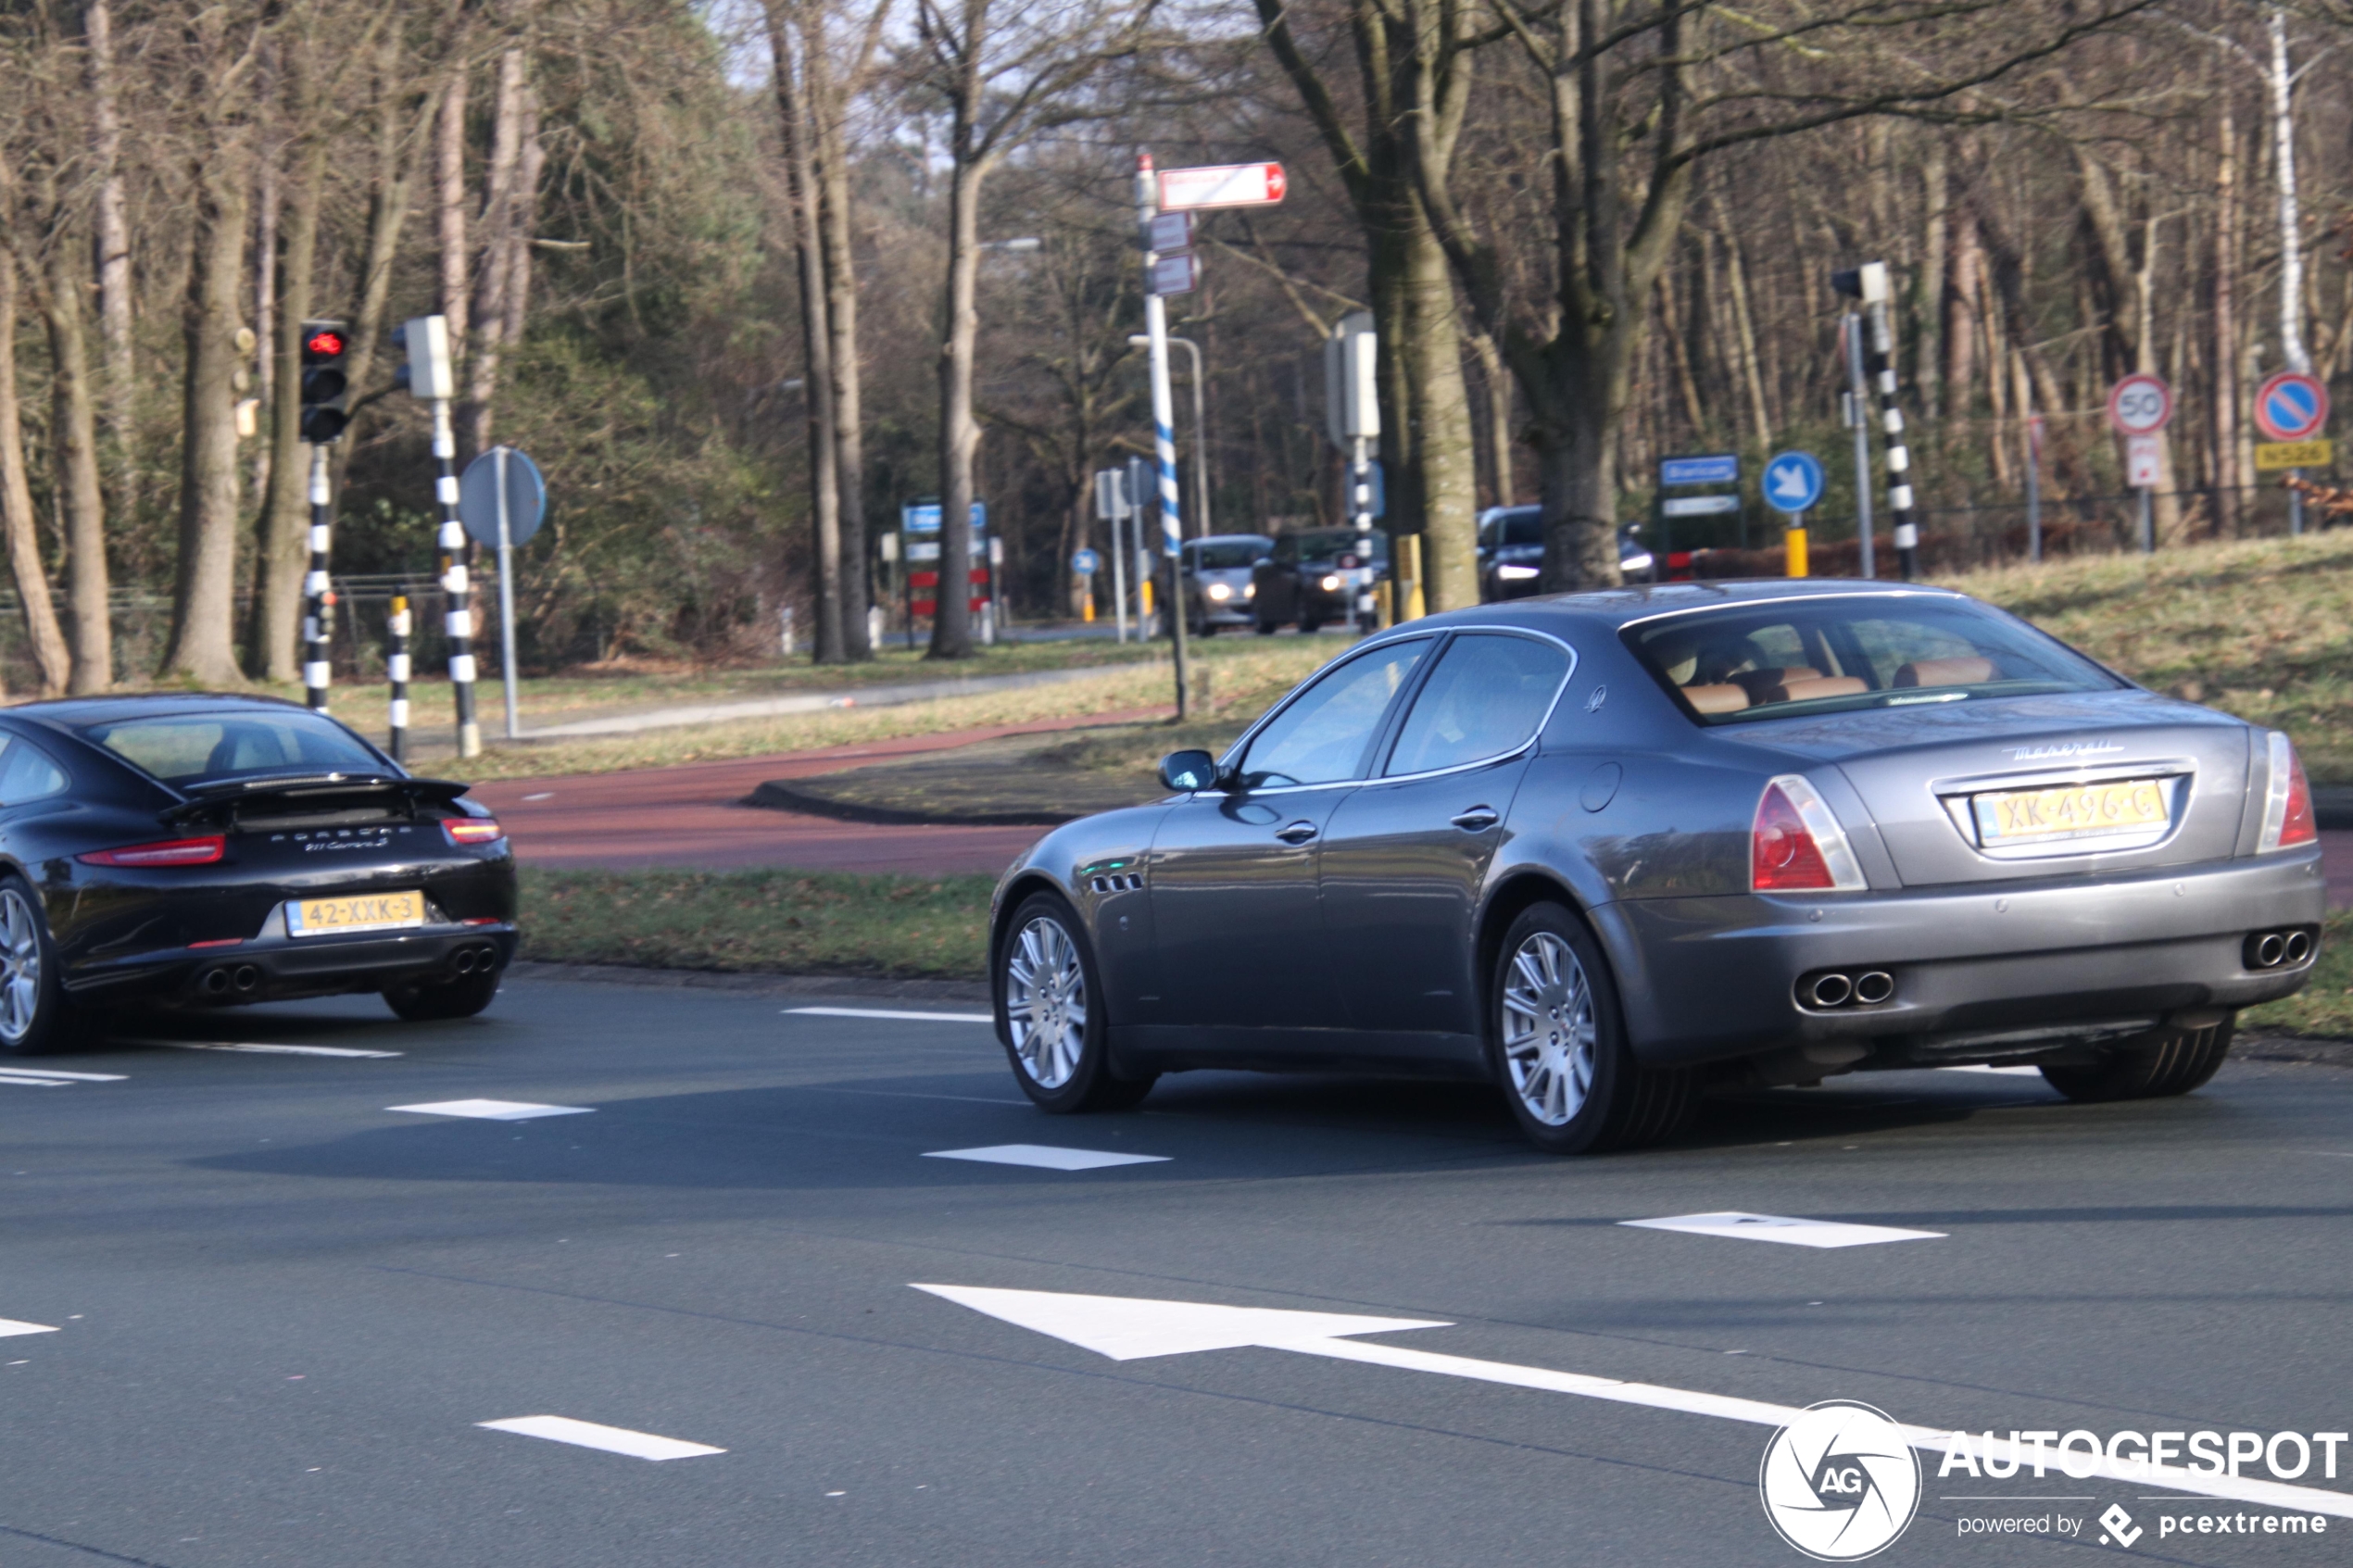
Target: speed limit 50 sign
(2140,404)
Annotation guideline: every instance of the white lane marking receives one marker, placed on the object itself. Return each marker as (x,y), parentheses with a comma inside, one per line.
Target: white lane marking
(543,795)
(886,1012)
(1778,1227)
(611,1439)
(1989,1067)
(1126,1328)
(493,1110)
(912,1094)
(1047,1159)
(14,1082)
(10,1327)
(52,1075)
(259,1050)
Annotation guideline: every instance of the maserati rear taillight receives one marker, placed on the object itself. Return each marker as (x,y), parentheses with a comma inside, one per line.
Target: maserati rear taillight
(1796,846)
(163,852)
(473,830)
(2287,805)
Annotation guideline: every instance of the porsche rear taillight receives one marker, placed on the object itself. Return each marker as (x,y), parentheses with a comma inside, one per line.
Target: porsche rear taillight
(468,831)
(163,852)
(2287,805)
(1796,846)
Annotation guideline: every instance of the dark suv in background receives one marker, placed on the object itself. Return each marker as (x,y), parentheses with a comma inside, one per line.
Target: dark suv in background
(1511,552)
(1321,575)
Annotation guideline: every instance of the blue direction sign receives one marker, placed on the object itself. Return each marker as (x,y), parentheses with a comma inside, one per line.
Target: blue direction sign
(1793,481)
(1719,468)
(1085,563)
(2291,406)
(923,517)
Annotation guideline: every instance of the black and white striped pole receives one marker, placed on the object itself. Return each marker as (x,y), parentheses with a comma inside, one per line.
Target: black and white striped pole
(397,671)
(432,378)
(1868,283)
(318,598)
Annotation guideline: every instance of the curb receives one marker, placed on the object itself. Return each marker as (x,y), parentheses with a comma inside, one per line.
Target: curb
(835,987)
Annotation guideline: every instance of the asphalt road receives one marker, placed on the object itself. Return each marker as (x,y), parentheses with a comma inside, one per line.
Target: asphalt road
(283,1307)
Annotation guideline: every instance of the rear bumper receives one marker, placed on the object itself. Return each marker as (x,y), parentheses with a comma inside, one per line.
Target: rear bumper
(282,968)
(1978,976)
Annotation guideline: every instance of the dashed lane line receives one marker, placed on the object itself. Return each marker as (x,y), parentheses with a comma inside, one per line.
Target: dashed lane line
(493,1110)
(260,1048)
(1781,1228)
(1046,1158)
(610,1439)
(889,1012)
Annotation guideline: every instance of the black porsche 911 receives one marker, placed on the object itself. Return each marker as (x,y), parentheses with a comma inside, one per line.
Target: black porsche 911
(202,850)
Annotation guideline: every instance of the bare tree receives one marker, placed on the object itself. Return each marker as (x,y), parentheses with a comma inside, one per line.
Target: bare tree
(19,525)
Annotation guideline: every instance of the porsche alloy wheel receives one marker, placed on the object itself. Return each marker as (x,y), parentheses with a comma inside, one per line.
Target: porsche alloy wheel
(21,968)
(1548,1029)
(1046,1001)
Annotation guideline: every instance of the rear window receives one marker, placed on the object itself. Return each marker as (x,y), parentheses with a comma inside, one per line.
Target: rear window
(194,749)
(1772,661)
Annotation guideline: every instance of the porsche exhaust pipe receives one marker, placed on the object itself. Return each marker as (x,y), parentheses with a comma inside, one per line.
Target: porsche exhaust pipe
(1831,990)
(214,983)
(246,977)
(463,960)
(1874,988)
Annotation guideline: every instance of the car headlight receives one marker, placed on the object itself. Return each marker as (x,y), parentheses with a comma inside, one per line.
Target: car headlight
(1330,584)
(1250,589)
(1220,592)
(1517,573)
(1636,563)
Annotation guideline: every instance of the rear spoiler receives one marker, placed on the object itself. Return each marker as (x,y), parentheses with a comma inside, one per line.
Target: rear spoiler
(228,794)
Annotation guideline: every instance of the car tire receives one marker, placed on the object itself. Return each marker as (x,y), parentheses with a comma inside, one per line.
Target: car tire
(423,1001)
(1309,625)
(2173,1062)
(36,1016)
(1049,1014)
(1558,1048)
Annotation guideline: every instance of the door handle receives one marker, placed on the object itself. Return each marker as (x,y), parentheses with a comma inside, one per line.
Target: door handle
(1296,833)
(1476,819)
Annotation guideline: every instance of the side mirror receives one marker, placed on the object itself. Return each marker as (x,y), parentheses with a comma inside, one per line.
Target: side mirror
(1189,770)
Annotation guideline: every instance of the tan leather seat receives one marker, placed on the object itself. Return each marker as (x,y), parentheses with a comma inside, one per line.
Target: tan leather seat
(1821,685)
(1945,672)
(1757,682)
(1716,699)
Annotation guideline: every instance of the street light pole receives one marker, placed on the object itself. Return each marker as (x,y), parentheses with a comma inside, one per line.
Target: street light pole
(1201,430)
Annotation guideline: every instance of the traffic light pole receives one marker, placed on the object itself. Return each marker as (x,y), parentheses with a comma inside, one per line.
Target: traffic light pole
(459,621)
(396,671)
(318,599)
(1881,364)
(1164,419)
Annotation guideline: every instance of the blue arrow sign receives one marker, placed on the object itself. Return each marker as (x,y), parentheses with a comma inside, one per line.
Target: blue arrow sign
(1085,563)
(1721,468)
(1793,481)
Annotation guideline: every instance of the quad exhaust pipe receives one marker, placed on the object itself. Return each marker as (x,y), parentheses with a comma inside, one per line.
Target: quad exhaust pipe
(1836,988)
(2278,950)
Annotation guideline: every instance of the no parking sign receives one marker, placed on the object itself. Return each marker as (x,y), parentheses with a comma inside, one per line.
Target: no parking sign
(2291,406)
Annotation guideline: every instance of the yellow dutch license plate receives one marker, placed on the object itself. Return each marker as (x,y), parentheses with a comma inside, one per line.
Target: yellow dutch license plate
(364,911)
(2072,811)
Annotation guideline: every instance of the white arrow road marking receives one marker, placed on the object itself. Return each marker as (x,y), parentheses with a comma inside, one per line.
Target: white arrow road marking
(9,1327)
(1777,1227)
(45,1078)
(886,1012)
(611,1439)
(493,1110)
(1046,1158)
(259,1050)
(1128,1328)
(1988,1067)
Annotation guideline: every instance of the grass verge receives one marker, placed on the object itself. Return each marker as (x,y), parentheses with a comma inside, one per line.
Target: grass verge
(800,922)
(2325,1005)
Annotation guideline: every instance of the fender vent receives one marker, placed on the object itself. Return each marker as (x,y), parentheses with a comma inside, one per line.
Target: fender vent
(1131,882)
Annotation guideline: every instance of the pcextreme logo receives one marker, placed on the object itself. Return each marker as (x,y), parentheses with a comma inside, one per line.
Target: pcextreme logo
(1841,1482)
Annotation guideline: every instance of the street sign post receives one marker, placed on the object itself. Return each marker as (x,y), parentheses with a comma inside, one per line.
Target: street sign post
(1794,483)
(2292,409)
(2138,408)
(502,498)
(1230,184)
(1177,273)
(1716,468)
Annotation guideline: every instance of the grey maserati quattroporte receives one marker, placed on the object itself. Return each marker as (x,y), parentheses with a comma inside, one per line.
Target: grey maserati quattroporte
(1606,850)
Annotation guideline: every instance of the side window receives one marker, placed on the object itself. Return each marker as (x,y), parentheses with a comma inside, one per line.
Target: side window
(1320,737)
(1486,697)
(27,773)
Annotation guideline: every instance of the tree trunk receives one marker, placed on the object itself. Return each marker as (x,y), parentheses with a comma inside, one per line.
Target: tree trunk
(1576,427)
(494,271)
(817,385)
(1445,497)
(75,439)
(2224,405)
(450,207)
(112,236)
(951,635)
(1497,383)
(203,599)
(835,228)
(1964,315)
(267,204)
(19,523)
(281,551)
(1928,305)
(390,196)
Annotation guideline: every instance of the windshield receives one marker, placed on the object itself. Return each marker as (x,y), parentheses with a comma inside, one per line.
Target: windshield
(1770,660)
(196,748)
(1512,527)
(1321,548)
(1225,554)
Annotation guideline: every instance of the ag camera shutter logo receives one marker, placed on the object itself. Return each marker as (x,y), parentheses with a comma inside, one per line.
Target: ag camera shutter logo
(1841,1482)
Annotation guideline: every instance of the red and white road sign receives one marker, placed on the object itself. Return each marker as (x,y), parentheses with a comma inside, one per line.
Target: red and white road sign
(2291,406)
(2144,458)
(2140,406)
(1172,231)
(1225,185)
(1179,273)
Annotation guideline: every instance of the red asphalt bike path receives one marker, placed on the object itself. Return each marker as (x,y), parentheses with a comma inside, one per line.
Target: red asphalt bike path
(691,816)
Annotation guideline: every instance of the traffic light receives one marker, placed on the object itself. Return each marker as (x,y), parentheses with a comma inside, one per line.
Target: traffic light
(324,343)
